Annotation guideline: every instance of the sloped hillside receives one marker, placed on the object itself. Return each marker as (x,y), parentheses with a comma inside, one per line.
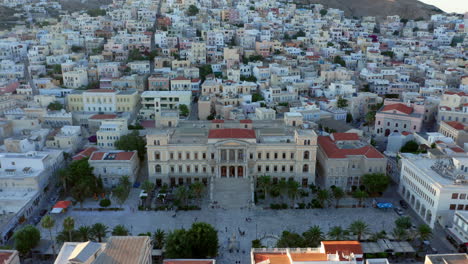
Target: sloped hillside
(410,9)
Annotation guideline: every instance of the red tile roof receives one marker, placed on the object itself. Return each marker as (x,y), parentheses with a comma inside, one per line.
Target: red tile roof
(406,133)
(344,136)
(231,133)
(344,248)
(118,155)
(272,258)
(4,256)
(217,121)
(62,204)
(457,93)
(456,125)
(103,116)
(398,107)
(457,149)
(84,153)
(333,152)
(180,78)
(246,121)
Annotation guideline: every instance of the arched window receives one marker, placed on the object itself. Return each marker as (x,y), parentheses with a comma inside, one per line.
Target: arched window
(157,168)
(305,168)
(306,155)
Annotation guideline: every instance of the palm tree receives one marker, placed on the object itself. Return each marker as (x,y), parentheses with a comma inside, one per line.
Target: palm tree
(48,223)
(68,226)
(125,182)
(399,233)
(337,233)
(85,233)
(424,232)
(323,196)
(378,235)
(359,228)
(293,191)
(264,183)
(403,222)
(338,194)
(313,236)
(159,238)
(99,231)
(197,188)
(182,194)
(360,196)
(65,177)
(282,187)
(147,186)
(120,230)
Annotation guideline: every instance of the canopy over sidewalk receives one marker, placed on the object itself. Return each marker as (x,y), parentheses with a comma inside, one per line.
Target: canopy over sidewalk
(60,206)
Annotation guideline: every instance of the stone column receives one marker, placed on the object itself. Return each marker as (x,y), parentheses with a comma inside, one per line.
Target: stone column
(236,171)
(235,155)
(227,154)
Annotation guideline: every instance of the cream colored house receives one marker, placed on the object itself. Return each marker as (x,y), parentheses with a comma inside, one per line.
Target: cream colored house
(263,113)
(103,100)
(111,131)
(343,158)
(111,166)
(75,79)
(68,138)
(455,130)
(154,102)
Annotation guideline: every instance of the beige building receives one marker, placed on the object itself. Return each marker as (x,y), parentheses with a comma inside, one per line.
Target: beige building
(154,102)
(197,53)
(103,100)
(200,151)
(205,107)
(343,158)
(455,130)
(110,131)
(68,138)
(181,84)
(263,113)
(113,165)
(75,79)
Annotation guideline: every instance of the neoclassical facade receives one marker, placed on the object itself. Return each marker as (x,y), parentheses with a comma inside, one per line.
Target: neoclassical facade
(198,151)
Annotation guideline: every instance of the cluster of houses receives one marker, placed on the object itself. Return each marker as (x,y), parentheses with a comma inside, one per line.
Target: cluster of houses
(235,89)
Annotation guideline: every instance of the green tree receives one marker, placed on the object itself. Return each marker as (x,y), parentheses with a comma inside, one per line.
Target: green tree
(178,244)
(410,147)
(264,183)
(339,60)
(341,102)
(204,240)
(338,194)
(256,243)
(290,240)
(55,106)
(192,10)
(313,236)
(182,195)
(349,118)
(375,182)
(81,192)
(337,233)
(125,182)
(293,191)
(197,189)
(403,222)
(323,12)
(85,233)
(120,230)
(99,231)
(121,194)
(360,196)
(205,70)
(184,111)
(26,239)
(69,226)
(48,223)
(257,97)
(378,235)
(388,53)
(159,238)
(132,141)
(96,12)
(400,234)
(423,232)
(323,196)
(359,228)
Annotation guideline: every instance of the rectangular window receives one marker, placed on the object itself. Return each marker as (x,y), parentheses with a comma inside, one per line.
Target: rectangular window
(452,207)
(196,155)
(212,156)
(466,207)
(204,155)
(454,195)
(179,155)
(292,155)
(276,155)
(275,168)
(291,168)
(462,196)
(460,207)
(259,155)
(268,155)
(267,168)
(171,155)
(259,168)
(187,155)
(284,155)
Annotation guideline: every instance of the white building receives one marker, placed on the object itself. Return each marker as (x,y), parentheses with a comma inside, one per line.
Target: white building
(110,131)
(75,79)
(113,165)
(435,188)
(153,102)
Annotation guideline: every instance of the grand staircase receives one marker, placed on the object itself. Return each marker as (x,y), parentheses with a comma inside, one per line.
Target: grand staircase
(232,193)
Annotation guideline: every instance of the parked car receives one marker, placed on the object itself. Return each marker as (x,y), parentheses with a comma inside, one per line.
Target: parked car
(399,211)
(43,212)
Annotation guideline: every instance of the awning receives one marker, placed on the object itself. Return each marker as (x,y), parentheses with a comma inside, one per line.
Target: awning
(62,204)
(384,205)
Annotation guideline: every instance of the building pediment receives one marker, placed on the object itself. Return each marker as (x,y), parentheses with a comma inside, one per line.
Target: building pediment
(231,143)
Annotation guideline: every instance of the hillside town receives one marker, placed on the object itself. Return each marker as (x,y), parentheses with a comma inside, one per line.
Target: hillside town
(231,131)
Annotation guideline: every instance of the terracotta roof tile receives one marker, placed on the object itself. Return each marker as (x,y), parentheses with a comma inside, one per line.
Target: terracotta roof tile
(456,125)
(124,155)
(246,121)
(308,257)
(84,153)
(344,136)
(398,107)
(273,258)
(103,116)
(231,133)
(217,121)
(342,247)
(333,152)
